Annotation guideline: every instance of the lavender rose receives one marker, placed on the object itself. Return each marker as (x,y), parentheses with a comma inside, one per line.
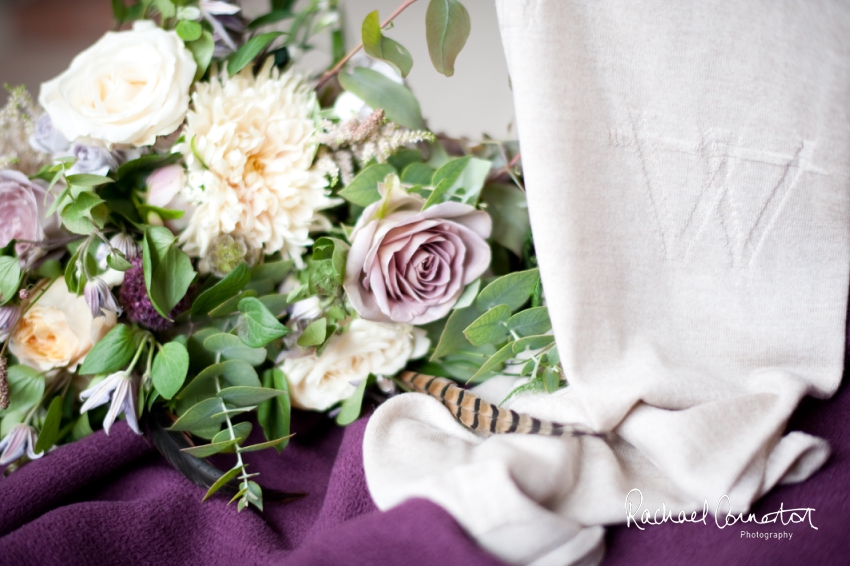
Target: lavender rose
(92,159)
(22,208)
(411,265)
(47,139)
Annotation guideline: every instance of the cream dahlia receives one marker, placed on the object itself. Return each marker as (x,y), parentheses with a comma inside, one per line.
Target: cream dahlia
(249,150)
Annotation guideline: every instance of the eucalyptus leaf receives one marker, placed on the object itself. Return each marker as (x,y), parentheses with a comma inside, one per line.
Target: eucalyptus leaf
(467,298)
(490,327)
(228,287)
(463,178)
(206,450)
(496,362)
(169,369)
(240,431)
(274,414)
(532,343)
(507,206)
(246,396)
(111,353)
(351,406)
(378,91)
(447,28)
(417,174)
(220,482)
(551,379)
(453,339)
(205,414)
(232,348)
(314,334)
(10,278)
(257,326)
(276,443)
(512,290)
(251,49)
(530,322)
(363,189)
(383,48)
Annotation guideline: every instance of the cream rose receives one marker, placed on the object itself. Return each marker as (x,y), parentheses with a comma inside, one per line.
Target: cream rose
(128,88)
(317,382)
(58,330)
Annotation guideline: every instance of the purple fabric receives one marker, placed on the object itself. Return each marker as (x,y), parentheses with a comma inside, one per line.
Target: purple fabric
(113,500)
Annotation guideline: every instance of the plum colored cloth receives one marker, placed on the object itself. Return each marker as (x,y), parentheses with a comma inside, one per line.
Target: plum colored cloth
(114,500)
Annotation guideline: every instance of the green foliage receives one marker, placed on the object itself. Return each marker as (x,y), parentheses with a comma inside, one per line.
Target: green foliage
(168,270)
(447,28)
(250,50)
(10,278)
(202,415)
(383,48)
(50,429)
(270,18)
(189,30)
(242,396)
(222,481)
(508,208)
(85,213)
(314,334)
(417,174)
(453,339)
(206,450)
(530,322)
(378,91)
(351,406)
(490,327)
(274,414)
(512,290)
(225,289)
(202,51)
(112,352)
(169,369)
(274,270)
(460,179)
(363,189)
(26,386)
(257,326)
(232,348)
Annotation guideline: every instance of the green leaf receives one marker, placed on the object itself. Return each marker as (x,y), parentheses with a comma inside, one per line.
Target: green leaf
(274,270)
(165,7)
(446,29)
(417,174)
(452,339)
(270,18)
(168,270)
(50,430)
(468,296)
(257,326)
(118,10)
(112,352)
(189,30)
(363,189)
(246,396)
(513,290)
(170,368)
(378,91)
(532,343)
(255,495)
(463,178)
(49,269)
(496,362)
(230,305)
(490,327)
(232,283)
(88,180)
(350,409)
(202,51)
(314,334)
(438,195)
(85,213)
(530,322)
(26,386)
(551,379)
(220,482)
(276,443)
(240,431)
(82,427)
(206,450)
(508,208)
(205,414)
(10,278)
(384,48)
(232,348)
(118,262)
(275,303)
(251,49)
(274,414)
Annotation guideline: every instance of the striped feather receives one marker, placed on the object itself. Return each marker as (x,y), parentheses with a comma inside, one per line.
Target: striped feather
(481,416)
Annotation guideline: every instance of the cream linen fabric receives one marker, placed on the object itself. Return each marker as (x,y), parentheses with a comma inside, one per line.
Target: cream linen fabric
(687,173)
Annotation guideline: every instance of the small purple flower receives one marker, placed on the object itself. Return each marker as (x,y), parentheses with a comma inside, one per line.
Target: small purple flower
(99,297)
(91,159)
(118,387)
(20,440)
(134,298)
(48,139)
(125,244)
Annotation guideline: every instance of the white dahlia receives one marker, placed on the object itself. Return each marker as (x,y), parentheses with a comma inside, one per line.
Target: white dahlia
(249,149)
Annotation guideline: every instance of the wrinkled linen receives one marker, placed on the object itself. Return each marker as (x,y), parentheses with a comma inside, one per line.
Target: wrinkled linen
(687,171)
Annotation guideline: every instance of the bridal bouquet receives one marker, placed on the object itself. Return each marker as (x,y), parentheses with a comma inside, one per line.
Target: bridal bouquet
(197,237)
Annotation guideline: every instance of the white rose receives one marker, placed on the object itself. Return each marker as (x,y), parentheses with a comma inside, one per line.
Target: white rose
(128,88)
(380,348)
(58,330)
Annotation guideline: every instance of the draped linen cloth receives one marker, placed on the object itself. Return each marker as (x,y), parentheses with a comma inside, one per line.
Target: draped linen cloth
(687,167)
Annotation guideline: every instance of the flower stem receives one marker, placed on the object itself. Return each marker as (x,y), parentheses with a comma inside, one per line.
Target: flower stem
(338,67)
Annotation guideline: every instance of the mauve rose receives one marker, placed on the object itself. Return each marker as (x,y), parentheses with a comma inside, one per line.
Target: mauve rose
(411,265)
(92,159)
(48,139)
(22,208)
